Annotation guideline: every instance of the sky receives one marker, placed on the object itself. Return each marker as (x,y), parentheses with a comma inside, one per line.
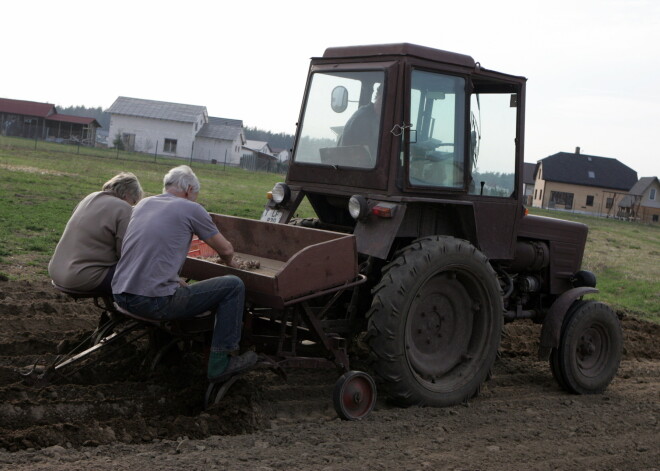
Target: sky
(593,66)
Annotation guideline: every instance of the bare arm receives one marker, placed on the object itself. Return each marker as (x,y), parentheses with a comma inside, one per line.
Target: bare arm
(223,247)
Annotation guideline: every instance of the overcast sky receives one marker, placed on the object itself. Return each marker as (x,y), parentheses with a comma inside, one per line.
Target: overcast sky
(592,65)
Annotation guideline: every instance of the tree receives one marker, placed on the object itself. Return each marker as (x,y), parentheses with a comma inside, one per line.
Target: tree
(118,142)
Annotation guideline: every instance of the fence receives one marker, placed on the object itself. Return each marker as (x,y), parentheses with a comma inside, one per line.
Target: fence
(115,153)
(262,163)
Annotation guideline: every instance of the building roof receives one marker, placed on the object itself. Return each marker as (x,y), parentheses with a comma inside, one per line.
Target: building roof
(528,173)
(588,170)
(256,145)
(226,121)
(156,109)
(640,187)
(221,128)
(27,108)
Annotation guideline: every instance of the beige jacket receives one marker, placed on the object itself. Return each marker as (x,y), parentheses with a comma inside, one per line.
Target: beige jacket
(91,242)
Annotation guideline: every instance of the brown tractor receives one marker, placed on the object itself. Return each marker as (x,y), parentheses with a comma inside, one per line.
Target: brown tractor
(418,153)
(411,159)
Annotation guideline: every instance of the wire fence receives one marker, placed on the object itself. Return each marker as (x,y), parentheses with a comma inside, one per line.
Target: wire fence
(80,148)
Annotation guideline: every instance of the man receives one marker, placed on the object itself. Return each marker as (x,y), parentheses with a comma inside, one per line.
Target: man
(362,127)
(147,282)
(86,255)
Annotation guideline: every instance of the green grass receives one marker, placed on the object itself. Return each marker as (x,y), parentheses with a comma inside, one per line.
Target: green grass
(624,256)
(39,189)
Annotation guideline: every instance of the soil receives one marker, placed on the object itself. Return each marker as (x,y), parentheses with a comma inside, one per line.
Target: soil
(117,414)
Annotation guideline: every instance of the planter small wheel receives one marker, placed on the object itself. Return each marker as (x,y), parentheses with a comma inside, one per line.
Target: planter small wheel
(590,348)
(354,395)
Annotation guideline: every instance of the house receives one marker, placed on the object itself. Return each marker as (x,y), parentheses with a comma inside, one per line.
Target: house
(283,155)
(257,146)
(528,182)
(155,126)
(258,156)
(220,140)
(581,183)
(642,203)
(176,130)
(34,120)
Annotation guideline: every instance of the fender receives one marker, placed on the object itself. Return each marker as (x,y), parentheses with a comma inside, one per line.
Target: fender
(374,235)
(551,330)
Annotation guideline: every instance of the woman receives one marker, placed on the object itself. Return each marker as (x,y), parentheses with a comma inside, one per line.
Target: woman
(86,255)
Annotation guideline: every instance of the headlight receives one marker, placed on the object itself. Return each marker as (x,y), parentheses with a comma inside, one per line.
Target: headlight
(281,193)
(358,207)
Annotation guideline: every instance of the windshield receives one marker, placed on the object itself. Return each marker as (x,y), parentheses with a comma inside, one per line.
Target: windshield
(341,121)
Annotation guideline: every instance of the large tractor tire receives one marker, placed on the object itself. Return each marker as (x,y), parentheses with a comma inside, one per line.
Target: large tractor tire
(590,348)
(435,323)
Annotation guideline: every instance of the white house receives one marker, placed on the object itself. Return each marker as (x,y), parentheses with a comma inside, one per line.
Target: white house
(220,141)
(252,147)
(156,126)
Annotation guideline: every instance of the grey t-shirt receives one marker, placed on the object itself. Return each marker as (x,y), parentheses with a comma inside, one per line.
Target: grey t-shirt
(156,244)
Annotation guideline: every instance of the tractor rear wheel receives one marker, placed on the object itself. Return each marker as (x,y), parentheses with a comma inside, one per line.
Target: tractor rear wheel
(435,322)
(590,348)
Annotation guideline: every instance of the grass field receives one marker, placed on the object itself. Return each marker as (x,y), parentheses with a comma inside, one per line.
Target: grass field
(39,189)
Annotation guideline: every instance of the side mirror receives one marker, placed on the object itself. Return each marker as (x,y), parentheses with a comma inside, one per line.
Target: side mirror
(339,99)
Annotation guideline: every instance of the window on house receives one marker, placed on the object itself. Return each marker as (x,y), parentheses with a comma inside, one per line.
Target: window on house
(561,200)
(655,218)
(540,194)
(535,193)
(609,203)
(592,174)
(652,194)
(590,200)
(170,146)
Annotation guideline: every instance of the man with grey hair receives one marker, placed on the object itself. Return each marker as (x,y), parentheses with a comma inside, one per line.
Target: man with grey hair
(156,244)
(87,252)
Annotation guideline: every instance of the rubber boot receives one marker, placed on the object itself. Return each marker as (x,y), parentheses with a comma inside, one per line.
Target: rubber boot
(218,362)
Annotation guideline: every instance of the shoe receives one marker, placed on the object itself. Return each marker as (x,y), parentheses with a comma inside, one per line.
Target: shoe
(237,364)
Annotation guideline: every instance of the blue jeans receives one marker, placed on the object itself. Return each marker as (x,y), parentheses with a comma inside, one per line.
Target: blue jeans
(224,294)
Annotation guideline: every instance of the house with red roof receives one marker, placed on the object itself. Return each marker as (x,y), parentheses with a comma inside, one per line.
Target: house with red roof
(34,120)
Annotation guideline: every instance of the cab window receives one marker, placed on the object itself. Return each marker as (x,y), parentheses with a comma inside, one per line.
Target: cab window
(437,117)
(493,144)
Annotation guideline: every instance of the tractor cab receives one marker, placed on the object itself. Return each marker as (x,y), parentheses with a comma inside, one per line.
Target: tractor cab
(420,131)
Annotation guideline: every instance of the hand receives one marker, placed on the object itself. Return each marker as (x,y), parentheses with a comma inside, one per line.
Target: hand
(182,282)
(233,262)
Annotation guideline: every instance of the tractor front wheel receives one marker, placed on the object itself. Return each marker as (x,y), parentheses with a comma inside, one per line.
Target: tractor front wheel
(590,348)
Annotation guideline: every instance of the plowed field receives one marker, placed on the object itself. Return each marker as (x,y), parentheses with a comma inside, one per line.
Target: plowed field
(119,414)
